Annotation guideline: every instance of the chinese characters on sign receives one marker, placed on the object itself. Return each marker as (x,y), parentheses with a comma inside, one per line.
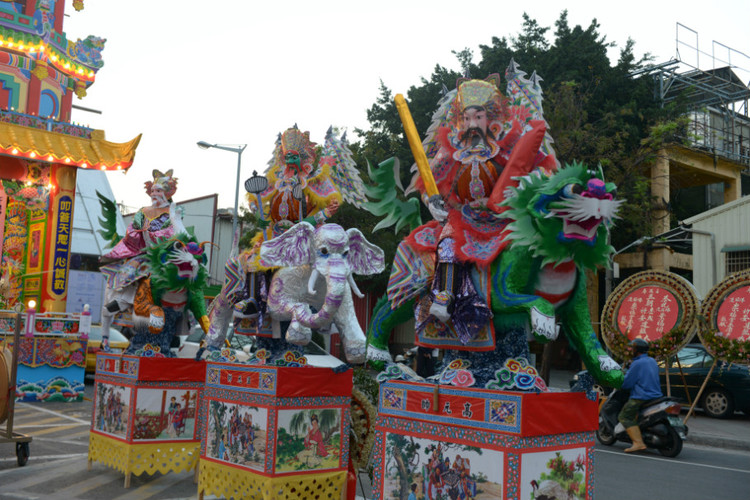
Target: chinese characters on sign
(61,245)
(733,318)
(648,313)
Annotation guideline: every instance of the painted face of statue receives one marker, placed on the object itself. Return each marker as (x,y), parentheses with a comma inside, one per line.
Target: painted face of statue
(158,198)
(293,163)
(474,126)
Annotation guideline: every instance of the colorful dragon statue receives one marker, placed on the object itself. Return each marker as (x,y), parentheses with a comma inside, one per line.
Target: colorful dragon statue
(558,230)
(177,277)
(504,257)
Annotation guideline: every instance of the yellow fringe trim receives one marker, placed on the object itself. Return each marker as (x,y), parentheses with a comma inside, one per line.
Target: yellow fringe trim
(231,482)
(143,458)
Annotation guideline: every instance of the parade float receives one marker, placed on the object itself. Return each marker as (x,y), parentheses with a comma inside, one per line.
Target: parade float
(502,262)
(300,184)
(145,400)
(41,151)
(278,424)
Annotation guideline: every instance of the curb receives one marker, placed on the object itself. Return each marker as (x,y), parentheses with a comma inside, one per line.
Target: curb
(717,442)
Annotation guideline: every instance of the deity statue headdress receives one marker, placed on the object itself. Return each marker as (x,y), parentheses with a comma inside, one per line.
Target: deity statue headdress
(294,140)
(163,180)
(335,170)
(480,93)
(522,104)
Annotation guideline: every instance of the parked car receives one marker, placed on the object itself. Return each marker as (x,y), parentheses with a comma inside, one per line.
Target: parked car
(727,390)
(117,343)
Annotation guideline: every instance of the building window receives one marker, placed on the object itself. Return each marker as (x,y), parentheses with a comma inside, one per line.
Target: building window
(48,105)
(737,261)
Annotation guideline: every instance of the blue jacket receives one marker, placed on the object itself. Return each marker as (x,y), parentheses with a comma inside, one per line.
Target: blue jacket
(642,378)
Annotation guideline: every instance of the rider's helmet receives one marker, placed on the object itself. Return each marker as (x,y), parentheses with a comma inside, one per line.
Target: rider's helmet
(639,346)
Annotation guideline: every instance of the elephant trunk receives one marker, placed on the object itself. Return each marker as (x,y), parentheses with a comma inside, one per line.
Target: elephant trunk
(336,285)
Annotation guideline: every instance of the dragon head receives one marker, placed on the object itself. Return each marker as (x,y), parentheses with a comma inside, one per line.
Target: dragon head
(178,263)
(565,215)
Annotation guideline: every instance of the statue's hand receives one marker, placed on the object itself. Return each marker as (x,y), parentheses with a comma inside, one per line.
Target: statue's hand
(331,208)
(608,364)
(543,325)
(156,321)
(436,205)
(203,320)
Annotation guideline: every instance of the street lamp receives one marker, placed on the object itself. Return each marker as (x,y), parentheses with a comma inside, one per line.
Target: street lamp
(239,149)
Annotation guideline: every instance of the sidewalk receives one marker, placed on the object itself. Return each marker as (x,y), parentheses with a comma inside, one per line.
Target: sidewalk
(732,433)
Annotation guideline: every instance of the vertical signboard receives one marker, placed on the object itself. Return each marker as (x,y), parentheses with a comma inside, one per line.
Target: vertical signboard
(59,229)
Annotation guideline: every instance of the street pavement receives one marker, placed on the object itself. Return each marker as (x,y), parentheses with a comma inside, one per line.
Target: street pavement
(58,466)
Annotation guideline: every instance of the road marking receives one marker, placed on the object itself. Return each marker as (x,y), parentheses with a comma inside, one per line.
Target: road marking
(78,489)
(56,440)
(40,423)
(31,426)
(153,488)
(54,429)
(32,458)
(672,460)
(45,410)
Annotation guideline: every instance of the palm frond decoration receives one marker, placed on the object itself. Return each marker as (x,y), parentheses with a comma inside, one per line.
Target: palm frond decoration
(388,200)
(109,222)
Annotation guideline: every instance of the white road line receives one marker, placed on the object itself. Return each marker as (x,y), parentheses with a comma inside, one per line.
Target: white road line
(671,460)
(59,441)
(58,414)
(45,457)
(32,426)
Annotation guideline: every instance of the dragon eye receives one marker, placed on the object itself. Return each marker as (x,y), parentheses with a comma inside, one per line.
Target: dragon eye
(324,251)
(178,245)
(572,190)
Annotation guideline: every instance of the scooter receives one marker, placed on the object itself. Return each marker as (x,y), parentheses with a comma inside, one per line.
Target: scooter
(658,419)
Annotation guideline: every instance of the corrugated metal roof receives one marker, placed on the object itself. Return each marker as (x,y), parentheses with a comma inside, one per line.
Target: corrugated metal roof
(87,212)
(717,210)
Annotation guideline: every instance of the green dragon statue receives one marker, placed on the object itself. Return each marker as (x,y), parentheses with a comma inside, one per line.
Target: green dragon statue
(175,285)
(558,229)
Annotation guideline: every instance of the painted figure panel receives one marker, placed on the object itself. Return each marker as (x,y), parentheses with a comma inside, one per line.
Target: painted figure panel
(237,434)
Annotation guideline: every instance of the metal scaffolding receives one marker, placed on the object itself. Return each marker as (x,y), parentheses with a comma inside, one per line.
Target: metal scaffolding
(717,97)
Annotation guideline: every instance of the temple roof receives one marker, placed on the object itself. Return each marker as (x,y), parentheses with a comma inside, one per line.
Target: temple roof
(42,145)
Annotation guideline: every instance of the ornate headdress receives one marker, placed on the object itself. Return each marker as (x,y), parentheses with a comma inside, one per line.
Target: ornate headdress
(481,93)
(295,140)
(164,181)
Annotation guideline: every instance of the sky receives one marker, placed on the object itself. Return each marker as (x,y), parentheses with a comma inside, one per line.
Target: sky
(235,72)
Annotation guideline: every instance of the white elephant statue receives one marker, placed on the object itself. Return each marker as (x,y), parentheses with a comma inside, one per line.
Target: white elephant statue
(316,270)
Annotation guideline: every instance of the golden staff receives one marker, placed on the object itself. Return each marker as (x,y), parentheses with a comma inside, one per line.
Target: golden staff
(416,146)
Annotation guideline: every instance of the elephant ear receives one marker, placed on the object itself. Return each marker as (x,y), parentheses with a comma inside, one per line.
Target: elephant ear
(364,257)
(290,249)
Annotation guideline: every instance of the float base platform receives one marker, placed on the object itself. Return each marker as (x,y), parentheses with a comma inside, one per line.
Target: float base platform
(144,414)
(455,442)
(274,432)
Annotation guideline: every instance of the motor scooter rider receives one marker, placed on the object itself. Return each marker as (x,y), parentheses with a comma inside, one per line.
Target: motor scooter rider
(642,379)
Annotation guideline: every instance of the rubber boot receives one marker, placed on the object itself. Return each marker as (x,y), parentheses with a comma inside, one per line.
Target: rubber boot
(635,435)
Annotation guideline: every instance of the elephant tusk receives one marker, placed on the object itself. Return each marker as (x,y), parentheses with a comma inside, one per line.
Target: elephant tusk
(311,282)
(355,289)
